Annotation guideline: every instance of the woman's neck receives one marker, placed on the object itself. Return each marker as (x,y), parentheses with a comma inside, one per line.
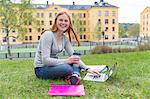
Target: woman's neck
(59,34)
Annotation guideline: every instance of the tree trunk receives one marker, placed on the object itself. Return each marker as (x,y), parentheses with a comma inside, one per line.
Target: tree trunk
(8,45)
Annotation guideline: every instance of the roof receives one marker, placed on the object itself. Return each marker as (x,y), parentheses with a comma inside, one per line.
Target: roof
(76,7)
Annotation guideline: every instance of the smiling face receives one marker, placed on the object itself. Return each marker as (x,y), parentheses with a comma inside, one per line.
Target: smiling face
(62,23)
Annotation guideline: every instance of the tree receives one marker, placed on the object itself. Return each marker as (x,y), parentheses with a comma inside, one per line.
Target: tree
(98,30)
(134,30)
(15,16)
(122,31)
(78,24)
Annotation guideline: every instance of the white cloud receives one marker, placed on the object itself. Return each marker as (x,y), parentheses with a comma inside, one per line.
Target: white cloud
(129,10)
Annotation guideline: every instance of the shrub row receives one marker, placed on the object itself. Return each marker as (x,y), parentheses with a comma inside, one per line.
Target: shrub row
(107,49)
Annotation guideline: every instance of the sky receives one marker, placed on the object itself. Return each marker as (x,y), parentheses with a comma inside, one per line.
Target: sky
(129,10)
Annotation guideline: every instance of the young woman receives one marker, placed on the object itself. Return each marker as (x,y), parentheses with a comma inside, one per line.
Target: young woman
(54,41)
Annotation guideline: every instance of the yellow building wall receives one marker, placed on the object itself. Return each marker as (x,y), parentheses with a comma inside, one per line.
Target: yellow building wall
(145,23)
(91,20)
(87,33)
(46,20)
(1,37)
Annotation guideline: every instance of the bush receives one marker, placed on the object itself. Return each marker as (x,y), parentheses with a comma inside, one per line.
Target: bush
(107,49)
(118,50)
(144,47)
(101,49)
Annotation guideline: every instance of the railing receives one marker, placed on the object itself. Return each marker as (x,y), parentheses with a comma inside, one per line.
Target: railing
(73,43)
(25,55)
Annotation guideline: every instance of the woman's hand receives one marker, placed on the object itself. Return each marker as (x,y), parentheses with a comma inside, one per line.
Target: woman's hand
(73,60)
(93,71)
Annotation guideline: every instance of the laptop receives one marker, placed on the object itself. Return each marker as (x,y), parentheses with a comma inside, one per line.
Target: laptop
(105,73)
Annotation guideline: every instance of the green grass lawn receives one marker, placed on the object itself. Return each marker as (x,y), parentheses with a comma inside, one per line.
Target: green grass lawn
(131,79)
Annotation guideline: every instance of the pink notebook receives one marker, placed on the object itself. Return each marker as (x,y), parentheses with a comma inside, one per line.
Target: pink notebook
(66,90)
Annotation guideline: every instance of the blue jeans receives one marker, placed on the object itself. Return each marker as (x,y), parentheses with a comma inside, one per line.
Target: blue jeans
(57,71)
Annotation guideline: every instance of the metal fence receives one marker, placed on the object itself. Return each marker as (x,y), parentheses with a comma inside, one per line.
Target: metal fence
(4,47)
(83,52)
(20,55)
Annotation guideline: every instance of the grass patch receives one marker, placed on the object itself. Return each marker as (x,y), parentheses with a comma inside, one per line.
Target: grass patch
(131,79)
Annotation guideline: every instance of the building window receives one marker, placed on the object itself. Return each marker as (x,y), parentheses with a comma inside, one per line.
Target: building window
(55,14)
(143,23)
(30,30)
(38,22)
(99,28)
(106,28)
(80,36)
(30,38)
(26,38)
(99,21)
(106,37)
(39,30)
(99,13)
(113,37)
(38,15)
(30,23)
(84,37)
(143,17)
(42,15)
(73,15)
(50,22)
(113,21)
(42,22)
(38,37)
(80,29)
(113,13)
(50,15)
(4,39)
(42,29)
(106,21)
(80,15)
(84,22)
(84,29)
(113,28)
(106,13)
(25,23)
(13,40)
(80,22)
(84,15)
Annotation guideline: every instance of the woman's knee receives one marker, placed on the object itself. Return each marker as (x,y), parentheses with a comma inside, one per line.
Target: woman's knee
(68,68)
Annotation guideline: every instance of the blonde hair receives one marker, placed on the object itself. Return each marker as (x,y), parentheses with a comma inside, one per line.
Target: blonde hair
(69,30)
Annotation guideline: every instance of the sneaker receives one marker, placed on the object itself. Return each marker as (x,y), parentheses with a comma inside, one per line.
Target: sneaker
(75,79)
(67,78)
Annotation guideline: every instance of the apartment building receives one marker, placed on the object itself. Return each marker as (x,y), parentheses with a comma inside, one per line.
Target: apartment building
(98,22)
(145,23)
